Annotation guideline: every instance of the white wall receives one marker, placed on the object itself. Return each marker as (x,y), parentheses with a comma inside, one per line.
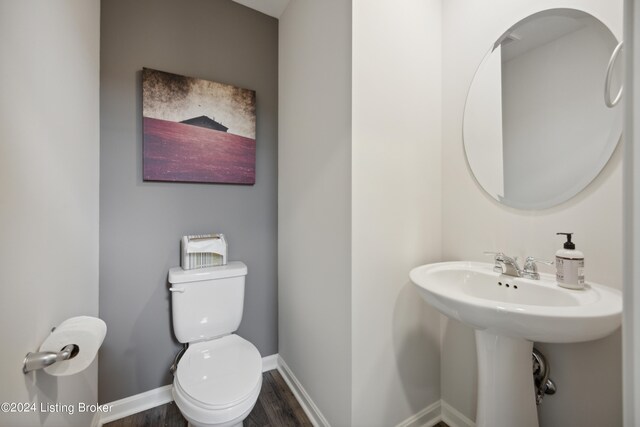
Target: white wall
(314,206)
(473,222)
(365,203)
(49,141)
(631,320)
(395,207)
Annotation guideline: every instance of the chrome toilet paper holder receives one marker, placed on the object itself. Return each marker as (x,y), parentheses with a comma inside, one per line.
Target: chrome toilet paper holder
(42,359)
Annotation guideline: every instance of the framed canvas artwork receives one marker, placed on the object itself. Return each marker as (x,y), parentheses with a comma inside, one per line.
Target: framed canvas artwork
(197,130)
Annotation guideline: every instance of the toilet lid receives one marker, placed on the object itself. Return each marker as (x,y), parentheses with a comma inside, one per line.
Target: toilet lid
(220,373)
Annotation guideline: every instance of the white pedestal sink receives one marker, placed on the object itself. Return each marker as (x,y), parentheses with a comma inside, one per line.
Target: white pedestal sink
(508,315)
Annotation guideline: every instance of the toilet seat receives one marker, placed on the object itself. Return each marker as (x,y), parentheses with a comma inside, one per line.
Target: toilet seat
(218,380)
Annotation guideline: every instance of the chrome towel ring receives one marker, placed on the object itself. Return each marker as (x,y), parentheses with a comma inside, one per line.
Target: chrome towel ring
(607,85)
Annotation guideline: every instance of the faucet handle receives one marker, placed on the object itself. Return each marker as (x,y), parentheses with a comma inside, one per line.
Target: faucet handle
(531,261)
(530,269)
(496,256)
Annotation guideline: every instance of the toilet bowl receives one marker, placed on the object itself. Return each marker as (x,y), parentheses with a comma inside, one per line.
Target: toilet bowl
(219,377)
(217,382)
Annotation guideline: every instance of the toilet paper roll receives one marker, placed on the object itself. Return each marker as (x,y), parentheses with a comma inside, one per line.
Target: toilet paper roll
(84,331)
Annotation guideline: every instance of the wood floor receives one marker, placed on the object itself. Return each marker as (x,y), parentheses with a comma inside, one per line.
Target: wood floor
(276,407)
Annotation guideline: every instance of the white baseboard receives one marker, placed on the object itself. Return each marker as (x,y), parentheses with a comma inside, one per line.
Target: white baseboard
(136,403)
(96,421)
(269,363)
(453,417)
(301,395)
(150,399)
(428,417)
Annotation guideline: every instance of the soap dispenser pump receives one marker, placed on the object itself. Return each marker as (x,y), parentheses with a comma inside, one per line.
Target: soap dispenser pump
(569,265)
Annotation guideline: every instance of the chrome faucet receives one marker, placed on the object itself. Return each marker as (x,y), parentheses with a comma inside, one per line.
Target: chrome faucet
(505,264)
(530,270)
(509,266)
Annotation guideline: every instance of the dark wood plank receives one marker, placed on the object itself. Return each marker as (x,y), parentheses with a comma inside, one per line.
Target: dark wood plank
(278,407)
(272,406)
(151,417)
(258,416)
(289,399)
(173,416)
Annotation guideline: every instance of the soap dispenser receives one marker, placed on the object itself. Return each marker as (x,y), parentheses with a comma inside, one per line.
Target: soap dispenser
(569,265)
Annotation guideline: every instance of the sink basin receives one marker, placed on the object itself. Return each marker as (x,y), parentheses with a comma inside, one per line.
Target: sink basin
(536,310)
(508,315)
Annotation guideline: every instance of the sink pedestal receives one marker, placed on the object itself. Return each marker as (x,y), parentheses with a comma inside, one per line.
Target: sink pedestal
(506,395)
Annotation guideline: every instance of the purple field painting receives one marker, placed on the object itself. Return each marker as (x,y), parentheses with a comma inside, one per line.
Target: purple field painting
(197,130)
(180,152)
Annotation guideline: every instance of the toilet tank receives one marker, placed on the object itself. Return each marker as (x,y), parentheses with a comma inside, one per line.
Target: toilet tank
(207,302)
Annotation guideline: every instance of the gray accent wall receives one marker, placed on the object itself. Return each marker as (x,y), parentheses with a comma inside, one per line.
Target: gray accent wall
(141,223)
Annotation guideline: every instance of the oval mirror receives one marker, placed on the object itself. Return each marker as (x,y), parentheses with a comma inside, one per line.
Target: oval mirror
(536,129)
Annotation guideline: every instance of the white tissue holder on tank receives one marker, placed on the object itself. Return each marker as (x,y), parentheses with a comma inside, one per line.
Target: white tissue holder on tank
(203,250)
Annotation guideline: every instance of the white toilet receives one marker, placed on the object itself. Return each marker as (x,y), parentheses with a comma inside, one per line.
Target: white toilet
(218,378)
